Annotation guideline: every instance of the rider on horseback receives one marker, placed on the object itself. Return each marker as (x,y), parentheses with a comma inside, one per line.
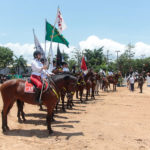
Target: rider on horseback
(37,68)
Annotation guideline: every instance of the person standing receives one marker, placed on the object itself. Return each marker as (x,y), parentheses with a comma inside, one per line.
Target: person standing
(132,80)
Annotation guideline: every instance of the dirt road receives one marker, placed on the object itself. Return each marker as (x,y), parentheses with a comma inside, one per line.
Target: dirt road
(114,121)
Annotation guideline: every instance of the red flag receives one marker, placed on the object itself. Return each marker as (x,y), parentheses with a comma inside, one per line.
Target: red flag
(83,64)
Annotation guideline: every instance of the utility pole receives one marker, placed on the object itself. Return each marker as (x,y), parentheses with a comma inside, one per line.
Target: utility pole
(142,56)
(107,56)
(117,58)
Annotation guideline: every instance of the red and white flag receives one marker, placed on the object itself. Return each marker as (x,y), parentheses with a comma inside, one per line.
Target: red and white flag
(83,64)
(61,24)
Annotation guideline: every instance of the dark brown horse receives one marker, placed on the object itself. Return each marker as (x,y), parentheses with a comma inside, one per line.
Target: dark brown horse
(80,85)
(94,81)
(105,83)
(98,81)
(114,80)
(15,88)
(88,82)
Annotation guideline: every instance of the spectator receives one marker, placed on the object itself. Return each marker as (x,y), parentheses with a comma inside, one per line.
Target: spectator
(132,80)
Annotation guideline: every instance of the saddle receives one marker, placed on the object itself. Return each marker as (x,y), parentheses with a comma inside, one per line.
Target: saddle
(30,87)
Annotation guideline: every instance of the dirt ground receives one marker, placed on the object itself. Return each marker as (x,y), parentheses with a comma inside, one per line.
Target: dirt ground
(114,121)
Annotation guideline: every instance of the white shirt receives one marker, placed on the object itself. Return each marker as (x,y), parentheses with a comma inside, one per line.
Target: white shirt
(110,73)
(66,69)
(45,73)
(36,66)
(104,73)
(131,80)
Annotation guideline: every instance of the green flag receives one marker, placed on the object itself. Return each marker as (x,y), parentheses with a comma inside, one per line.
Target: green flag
(56,37)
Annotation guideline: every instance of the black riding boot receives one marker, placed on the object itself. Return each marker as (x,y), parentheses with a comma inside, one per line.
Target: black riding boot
(37,96)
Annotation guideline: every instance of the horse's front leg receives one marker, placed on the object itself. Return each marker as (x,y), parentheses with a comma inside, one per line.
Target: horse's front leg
(77,94)
(62,98)
(81,93)
(87,94)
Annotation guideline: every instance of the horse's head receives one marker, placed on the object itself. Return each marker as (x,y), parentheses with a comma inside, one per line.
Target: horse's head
(70,83)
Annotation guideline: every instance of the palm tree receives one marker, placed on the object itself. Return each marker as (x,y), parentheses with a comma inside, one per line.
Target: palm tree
(19,62)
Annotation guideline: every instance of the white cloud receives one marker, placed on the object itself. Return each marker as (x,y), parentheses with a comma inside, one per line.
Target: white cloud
(27,49)
(92,42)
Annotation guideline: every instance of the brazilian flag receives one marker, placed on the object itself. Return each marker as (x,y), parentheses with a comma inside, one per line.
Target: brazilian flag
(56,36)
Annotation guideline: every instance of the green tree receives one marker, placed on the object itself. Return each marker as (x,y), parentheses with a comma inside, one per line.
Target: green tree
(77,55)
(65,56)
(19,62)
(6,57)
(72,63)
(95,58)
(125,61)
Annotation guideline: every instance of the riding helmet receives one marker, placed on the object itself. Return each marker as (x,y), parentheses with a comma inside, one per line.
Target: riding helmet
(36,53)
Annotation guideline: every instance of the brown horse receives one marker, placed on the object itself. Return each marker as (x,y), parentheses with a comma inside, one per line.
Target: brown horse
(114,80)
(105,84)
(94,81)
(15,88)
(80,85)
(98,81)
(62,90)
(88,82)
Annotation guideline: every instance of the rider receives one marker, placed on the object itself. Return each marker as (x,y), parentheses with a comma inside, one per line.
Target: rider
(65,67)
(110,73)
(37,68)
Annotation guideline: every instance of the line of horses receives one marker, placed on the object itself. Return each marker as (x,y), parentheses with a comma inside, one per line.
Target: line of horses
(59,86)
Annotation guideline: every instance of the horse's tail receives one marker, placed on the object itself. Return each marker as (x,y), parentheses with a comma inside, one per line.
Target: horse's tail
(0,87)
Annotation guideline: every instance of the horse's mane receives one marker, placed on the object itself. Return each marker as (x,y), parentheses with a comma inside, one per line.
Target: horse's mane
(63,75)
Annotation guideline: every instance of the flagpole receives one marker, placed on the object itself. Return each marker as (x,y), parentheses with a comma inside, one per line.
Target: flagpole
(33,35)
(45,37)
(50,49)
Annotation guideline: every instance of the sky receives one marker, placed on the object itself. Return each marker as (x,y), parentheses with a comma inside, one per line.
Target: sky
(90,24)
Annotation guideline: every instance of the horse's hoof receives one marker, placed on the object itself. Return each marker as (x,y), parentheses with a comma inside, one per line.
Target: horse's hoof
(4,131)
(24,120)
(53,120)
(41,109)
(19,120)
(64,110)
(51,132)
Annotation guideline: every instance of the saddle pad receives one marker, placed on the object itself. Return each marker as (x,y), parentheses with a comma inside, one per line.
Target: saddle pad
(29,88)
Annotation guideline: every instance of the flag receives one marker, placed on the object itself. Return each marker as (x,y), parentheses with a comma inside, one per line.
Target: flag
(59,56)
(83,64)
(56,36)
(61,24)
(38,47)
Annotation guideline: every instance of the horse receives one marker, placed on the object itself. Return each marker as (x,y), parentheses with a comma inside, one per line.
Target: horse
(105,83)
(94,81)
(62,95)
(16,87)
(98,81)
(114,80)
(88,82)
(80,85)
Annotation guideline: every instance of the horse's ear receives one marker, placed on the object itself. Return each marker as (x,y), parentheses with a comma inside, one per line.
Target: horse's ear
(66,77)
